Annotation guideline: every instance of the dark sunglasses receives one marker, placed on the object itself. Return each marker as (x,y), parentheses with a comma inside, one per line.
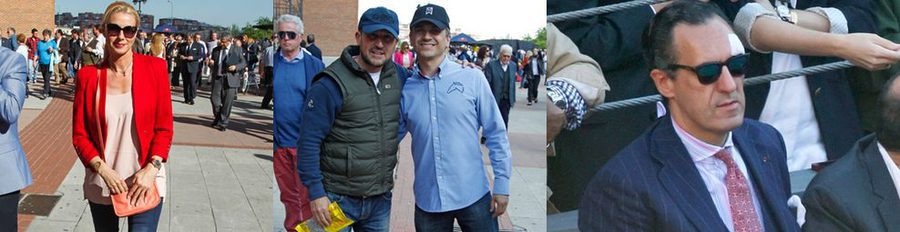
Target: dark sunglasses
(709,73)
(289,35)
(114,30)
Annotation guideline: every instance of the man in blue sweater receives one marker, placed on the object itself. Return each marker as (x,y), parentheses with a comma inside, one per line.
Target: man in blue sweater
(348,140)
(293,70)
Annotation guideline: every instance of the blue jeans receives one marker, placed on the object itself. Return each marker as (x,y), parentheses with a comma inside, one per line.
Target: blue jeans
(368,214)
(105,219)
(475,217)
(32,70)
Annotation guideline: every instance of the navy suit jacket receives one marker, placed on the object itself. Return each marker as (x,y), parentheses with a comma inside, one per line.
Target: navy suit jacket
(494,74)
(196,51)
(315,51)
(653,185)
(14,172)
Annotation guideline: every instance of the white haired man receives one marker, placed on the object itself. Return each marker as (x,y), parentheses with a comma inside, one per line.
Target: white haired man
(501,76)
(293,71)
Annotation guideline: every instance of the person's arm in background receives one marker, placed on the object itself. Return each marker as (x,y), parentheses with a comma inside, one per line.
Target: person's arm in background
(887,13)
(575,83)
(322,104)
(822,31)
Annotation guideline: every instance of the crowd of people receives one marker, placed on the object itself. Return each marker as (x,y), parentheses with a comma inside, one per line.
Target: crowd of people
(343,148)
(337,128)
(714,148)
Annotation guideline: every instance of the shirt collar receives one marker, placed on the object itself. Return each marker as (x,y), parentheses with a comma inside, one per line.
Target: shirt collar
(444,66)
(296,59)
(698,149)
(892,168)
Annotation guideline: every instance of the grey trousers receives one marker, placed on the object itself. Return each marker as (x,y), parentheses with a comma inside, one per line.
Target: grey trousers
(222,97)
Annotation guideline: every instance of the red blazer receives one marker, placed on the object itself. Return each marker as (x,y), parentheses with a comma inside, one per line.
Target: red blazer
(152,110)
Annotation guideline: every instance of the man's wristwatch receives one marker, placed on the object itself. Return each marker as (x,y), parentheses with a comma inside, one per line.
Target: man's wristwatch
(557,99)
(784,12)
(156,163)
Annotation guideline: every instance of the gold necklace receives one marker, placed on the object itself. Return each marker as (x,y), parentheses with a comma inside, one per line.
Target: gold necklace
(122,72)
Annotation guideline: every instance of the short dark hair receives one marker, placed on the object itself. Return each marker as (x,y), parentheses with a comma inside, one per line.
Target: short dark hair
(33,30)
(659,50)
(311,38)
(888,112)
(46,32)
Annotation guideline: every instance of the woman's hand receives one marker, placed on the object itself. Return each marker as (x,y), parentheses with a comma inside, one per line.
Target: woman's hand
(114,182)
(141,184)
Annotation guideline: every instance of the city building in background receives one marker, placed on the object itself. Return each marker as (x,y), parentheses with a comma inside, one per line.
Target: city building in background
(87,19)
(334,29)
(190,25)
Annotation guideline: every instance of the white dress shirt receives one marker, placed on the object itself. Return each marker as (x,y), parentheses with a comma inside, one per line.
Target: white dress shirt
(713,171)
(789,109)
(891,166)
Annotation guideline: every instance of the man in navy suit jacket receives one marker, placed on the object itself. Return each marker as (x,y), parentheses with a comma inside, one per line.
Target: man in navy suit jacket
(14,172)
(703,167)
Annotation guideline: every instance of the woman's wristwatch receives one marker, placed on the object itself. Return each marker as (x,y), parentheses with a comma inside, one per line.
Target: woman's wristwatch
(156,163)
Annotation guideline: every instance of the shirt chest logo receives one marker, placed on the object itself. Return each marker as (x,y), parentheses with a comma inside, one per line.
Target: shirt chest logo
(456,87)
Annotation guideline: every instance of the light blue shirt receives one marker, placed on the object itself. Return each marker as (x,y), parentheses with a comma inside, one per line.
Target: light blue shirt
(443,114)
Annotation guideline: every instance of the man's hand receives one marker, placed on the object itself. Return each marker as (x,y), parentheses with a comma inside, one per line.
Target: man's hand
(320,211)
(868,51)
(231,68)
(498,204)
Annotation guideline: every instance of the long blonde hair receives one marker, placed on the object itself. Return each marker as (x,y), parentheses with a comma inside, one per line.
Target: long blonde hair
(119,7)
(156,44)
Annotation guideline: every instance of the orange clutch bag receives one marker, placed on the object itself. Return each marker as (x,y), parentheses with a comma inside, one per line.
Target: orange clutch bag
(124,209)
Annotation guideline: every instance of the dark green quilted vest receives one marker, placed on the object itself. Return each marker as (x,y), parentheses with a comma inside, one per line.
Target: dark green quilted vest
(359,155)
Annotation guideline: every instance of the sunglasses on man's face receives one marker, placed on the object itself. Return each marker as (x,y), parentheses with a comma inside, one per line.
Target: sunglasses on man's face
(709,73)
(288,35)
(115,30)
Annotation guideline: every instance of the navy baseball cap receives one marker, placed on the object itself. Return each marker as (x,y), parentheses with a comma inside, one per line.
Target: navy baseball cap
(431,13)
(379,18)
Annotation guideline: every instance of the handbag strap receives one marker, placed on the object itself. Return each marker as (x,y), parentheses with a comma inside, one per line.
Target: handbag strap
(101,78)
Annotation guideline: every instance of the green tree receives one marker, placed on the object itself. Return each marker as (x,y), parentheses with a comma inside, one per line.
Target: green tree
(540,40)
(257,33)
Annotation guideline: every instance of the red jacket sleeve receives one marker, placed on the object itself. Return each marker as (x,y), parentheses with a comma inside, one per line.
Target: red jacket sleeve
(81,138)
(162,130)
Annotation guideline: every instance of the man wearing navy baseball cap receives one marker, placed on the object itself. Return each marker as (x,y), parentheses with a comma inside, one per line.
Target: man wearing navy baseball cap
(348,139)
(443,107)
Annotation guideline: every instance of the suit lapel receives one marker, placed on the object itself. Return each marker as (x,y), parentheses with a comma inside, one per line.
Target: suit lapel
(755,160)
(681,180)
(883,187)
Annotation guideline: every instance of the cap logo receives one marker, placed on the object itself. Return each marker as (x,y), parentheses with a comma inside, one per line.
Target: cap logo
(381,18)
(429,10)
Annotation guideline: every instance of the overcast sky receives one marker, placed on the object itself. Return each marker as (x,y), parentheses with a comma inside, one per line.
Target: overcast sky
(487,18)
(215,12)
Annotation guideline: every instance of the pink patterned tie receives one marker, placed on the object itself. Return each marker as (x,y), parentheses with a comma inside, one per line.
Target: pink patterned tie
(743,214)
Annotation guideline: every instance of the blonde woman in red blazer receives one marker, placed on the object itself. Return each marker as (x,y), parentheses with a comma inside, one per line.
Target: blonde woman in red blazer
(122,123)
